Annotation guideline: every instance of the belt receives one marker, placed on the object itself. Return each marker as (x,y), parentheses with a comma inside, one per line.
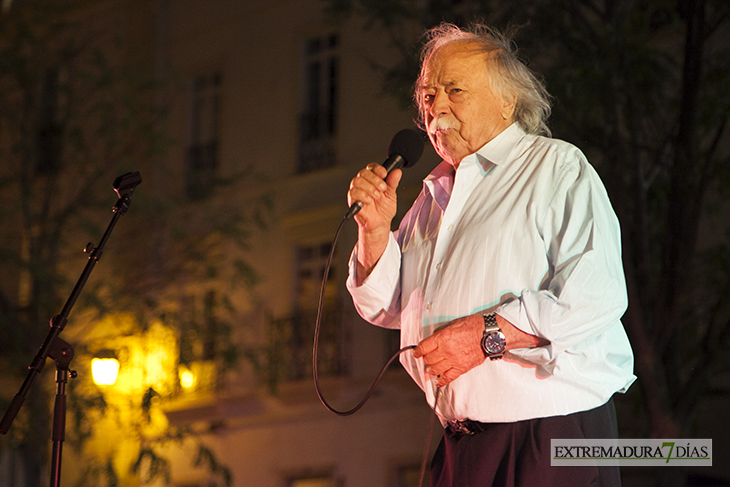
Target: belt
(465,427)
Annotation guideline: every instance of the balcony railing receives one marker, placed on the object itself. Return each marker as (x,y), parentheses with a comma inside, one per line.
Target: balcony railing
(291,342)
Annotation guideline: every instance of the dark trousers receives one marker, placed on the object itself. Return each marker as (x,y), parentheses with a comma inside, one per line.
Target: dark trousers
(518,454)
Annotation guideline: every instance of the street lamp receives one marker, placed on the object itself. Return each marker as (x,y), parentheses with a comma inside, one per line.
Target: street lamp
(187,377)
(105,368)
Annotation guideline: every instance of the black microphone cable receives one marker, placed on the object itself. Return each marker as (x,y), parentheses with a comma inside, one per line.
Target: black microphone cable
(318,326)
(404,150)
(315,369)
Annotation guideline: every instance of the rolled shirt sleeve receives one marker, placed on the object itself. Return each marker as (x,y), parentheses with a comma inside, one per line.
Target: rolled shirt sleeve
(377,299)
(584,293)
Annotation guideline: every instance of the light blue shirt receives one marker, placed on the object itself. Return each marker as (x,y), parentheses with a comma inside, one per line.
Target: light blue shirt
(523,228)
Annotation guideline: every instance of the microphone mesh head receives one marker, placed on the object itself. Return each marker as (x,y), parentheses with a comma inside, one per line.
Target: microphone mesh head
(407,143)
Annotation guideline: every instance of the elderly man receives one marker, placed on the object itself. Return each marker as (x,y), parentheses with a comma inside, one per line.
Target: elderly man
(506,272)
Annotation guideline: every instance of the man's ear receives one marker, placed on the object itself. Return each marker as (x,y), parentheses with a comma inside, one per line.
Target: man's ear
(509,100)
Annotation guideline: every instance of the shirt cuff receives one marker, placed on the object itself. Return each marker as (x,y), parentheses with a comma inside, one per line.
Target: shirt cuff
(513,312)
(377,291)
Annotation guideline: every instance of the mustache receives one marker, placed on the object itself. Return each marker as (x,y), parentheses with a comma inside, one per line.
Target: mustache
(441,123)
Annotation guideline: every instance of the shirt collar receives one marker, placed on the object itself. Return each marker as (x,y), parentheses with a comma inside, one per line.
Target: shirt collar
(497,150)
(494,152)
(439,183)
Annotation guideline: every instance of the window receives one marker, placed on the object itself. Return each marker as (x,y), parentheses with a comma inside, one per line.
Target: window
(318,120)
(202,339)
(293,335)
(200,328)
(202,153)
(310,262)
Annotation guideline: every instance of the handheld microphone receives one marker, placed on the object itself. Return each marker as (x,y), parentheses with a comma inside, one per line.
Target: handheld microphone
(404,150)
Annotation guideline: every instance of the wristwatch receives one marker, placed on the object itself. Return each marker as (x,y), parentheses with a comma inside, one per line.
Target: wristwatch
(493,340)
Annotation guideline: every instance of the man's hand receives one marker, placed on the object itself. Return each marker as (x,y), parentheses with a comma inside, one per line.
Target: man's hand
(457,348)
(453,350)
(379,201)
(375,189)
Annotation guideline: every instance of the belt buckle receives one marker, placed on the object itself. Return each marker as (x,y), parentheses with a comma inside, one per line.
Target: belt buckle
(460,427)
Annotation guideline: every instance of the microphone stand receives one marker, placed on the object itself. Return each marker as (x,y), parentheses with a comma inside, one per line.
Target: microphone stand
(61,351)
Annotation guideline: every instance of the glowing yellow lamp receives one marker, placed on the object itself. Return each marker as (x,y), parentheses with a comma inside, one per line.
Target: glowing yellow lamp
(104,371)
(187,378)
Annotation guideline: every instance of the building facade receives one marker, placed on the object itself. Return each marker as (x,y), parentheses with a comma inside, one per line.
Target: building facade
(275,89)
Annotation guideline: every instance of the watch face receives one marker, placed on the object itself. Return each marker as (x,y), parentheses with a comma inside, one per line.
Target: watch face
(494,343)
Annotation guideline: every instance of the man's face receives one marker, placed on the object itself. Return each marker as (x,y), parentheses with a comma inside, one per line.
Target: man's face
(459,107)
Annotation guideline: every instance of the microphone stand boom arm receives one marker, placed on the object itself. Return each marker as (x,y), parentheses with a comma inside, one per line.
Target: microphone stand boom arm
(59,350)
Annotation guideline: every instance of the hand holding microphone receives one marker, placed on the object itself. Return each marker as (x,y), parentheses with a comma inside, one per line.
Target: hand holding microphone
(373,192)
(374,185)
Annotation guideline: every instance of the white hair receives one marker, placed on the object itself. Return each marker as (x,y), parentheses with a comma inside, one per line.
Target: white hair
(506,72)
